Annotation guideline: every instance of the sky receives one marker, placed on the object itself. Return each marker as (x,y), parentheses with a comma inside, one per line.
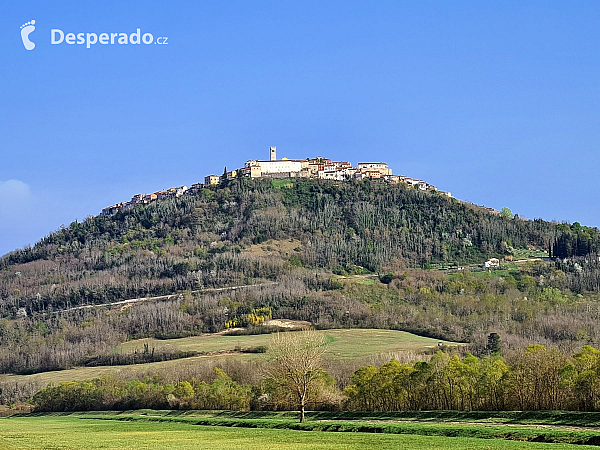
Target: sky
(498,103)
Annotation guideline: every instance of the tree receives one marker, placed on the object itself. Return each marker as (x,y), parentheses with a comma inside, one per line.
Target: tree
(506,213)
(296,364)
(493,344)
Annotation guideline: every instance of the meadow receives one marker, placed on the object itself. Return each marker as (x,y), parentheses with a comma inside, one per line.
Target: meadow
(154,430)
(343,344)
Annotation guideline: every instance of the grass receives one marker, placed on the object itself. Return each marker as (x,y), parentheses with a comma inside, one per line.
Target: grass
(366,281)
(281,183)
(343,344)
(549,418)
(85,373)
(134,430)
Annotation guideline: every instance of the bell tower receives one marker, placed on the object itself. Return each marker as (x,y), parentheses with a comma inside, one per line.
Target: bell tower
(273,151)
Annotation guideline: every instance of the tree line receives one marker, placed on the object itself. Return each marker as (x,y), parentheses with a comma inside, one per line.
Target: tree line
(538,378)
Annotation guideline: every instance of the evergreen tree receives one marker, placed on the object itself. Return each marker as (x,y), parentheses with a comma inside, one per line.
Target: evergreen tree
(493,344)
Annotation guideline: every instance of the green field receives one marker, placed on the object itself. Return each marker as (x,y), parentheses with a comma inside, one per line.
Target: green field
(347,344)
(343,344)
(85,373)
(78,432)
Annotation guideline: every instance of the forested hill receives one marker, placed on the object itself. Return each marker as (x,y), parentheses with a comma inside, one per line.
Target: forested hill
(211,237)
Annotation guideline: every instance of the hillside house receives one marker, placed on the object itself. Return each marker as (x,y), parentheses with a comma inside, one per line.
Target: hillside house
(211,180)
(149,198)
(372,174)
(254,171)
(336,174)
(380,167)
(491,263)
(179,191)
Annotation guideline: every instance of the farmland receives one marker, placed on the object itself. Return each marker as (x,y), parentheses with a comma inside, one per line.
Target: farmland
(157,429)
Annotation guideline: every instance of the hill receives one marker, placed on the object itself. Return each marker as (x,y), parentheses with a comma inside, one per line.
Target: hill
(205,238)
(301,249)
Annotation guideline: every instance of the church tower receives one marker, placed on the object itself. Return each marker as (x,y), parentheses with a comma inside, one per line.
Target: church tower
(273,153)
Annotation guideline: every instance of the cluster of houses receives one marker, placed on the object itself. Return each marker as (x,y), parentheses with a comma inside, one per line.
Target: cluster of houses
(318,167)
(143,199)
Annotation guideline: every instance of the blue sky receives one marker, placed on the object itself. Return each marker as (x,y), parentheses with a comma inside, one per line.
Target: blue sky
(497,103)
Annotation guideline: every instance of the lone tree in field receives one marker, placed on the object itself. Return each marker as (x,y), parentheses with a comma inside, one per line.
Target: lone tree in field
(296,364)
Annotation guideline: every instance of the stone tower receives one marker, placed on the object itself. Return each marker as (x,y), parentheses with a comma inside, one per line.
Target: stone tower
(273,153)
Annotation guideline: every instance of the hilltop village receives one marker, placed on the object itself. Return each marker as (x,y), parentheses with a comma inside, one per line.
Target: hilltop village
(322,168)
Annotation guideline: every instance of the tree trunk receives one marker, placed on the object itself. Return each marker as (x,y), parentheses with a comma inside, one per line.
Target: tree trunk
(302,412)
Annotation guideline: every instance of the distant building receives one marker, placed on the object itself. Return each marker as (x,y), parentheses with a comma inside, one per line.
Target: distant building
(137,199)
(278,166)
(336,174)
(254,171)
(180,191)
(115,208)
(492,262)
(149,198)
(380,167)
(372,174)
(211,180)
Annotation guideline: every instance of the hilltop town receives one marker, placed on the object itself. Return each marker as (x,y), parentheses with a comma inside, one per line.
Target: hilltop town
(319,167)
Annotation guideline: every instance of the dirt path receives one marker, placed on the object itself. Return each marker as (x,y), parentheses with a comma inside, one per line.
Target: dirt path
(132,301)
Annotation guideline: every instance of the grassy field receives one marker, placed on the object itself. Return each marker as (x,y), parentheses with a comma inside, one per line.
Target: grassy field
(85,373)
(568,419)
(131,430)
(345,344)
(77,432)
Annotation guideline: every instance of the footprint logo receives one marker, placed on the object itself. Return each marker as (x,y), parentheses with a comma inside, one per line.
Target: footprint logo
(26,30)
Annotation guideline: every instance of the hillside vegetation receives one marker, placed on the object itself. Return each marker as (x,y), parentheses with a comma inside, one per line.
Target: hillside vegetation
(199,240)
(313,239)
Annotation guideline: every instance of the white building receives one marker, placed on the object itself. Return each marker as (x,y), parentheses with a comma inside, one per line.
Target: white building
(380,167)
(492,262)
(338,175)
(284,165)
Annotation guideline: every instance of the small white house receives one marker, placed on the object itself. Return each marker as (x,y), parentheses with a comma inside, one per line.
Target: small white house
(492,262)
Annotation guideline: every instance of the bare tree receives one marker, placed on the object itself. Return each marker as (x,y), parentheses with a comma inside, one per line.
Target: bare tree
(296,363)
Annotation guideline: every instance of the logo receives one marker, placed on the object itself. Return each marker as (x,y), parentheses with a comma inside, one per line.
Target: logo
(59,36)
(26,30)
